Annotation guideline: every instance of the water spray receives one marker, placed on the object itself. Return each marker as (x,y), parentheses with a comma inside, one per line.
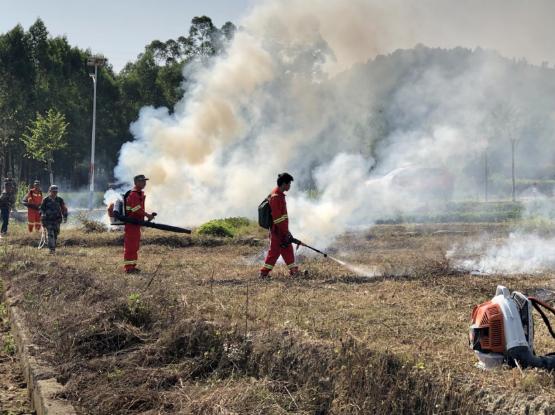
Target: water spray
(339,261)
(363,272)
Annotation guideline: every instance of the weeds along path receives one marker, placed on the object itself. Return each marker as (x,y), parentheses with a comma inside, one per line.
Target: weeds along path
(197,332)
(14,397)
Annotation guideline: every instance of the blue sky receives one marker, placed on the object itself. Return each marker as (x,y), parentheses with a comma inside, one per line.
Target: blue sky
(118,28)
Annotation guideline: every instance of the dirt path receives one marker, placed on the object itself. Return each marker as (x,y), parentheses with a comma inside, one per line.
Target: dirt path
(13,390)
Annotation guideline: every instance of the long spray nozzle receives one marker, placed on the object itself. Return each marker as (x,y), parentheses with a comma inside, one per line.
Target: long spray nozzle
(296,241)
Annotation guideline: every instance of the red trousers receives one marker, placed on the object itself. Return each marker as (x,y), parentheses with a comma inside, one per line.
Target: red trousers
(33,219)
(276,251)
(131,245)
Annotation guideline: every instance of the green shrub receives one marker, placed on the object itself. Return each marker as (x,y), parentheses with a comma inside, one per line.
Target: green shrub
(20,195)
(224,227)
(237,222)
(218,228)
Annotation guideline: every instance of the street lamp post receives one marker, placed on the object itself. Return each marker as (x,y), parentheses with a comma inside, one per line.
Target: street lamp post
(485,145)
(96,62)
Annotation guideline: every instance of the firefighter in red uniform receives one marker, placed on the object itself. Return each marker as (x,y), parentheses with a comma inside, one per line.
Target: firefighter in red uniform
(279,232)
(34,198)
(135,209)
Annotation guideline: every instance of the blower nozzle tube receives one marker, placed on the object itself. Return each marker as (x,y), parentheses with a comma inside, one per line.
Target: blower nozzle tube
(160,226)
(29,206)
(296,241)
(525,357)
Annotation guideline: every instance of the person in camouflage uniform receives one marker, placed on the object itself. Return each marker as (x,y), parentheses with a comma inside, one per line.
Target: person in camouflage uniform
(11,180)
(7,203)
(52,212)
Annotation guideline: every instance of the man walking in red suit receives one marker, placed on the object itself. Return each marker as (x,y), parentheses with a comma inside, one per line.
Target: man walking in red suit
(134,209)
(279,232)
(34,198)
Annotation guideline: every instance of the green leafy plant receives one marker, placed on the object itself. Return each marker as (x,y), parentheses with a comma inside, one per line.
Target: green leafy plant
(9,346)
(138,310)
(224,227)
(45,136)
(217,228)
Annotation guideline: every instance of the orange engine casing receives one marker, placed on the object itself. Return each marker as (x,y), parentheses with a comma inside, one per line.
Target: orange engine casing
(489,316)
(111,210)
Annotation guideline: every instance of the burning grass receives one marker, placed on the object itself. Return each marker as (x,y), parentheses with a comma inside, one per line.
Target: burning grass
(196,332)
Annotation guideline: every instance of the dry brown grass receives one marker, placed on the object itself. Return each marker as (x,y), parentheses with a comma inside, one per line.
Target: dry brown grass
(196,332)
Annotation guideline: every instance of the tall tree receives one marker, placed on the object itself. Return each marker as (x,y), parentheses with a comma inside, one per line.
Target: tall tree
(204,37)
(45,137)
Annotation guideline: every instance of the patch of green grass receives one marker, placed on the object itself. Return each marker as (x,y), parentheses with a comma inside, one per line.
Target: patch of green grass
(9,346)
(230,227)
(217,228)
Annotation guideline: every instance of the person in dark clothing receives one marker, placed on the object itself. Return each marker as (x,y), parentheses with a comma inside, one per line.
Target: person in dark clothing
(53,211)
(7,203)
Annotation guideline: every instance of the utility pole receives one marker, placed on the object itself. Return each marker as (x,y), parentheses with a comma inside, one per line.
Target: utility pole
(485,145)
(96,62)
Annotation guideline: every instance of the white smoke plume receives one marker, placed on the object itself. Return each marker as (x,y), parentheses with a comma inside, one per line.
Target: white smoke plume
(519,254)
(277,100)
(529,248)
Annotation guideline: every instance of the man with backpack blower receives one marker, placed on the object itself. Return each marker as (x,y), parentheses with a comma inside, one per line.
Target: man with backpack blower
(135,209)
(278,224)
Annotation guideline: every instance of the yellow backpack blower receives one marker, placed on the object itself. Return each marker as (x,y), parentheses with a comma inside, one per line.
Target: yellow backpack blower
(502,331)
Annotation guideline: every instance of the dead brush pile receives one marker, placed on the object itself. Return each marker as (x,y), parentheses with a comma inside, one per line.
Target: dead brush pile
(130,354)
(196,332)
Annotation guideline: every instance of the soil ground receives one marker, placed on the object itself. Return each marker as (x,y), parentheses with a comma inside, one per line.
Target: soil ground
(197,332)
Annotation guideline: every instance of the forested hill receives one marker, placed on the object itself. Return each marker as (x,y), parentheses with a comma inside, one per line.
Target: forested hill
(39,72)
(398,98)
(391,95)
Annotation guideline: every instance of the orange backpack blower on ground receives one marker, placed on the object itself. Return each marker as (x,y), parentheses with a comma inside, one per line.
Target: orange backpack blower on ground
(502,331)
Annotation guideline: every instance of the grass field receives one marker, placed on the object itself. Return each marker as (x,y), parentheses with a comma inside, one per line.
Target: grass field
(197,332)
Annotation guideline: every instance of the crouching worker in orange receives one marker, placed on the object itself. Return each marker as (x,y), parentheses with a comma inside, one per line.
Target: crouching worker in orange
(279,232)
(134,209)
(34,199)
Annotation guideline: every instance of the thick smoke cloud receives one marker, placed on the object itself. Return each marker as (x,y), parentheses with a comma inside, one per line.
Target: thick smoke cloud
(520,254)
(283,98)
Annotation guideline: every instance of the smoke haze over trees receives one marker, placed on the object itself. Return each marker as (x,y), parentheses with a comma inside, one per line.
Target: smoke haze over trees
(435,99)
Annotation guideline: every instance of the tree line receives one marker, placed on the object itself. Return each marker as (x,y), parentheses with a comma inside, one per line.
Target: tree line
(46,91)
(46,99)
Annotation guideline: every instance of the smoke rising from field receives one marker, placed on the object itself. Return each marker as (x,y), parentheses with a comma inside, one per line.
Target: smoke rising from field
(277,100)
(529,248)
(519,254)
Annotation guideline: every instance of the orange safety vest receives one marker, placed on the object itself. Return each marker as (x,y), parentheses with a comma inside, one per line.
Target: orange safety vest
(34,197)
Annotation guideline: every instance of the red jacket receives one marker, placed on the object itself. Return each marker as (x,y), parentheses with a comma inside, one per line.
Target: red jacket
(34,197)
(135,204)
(278,205)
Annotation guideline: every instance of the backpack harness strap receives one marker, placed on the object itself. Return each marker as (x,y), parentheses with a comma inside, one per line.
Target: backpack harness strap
(275,227)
